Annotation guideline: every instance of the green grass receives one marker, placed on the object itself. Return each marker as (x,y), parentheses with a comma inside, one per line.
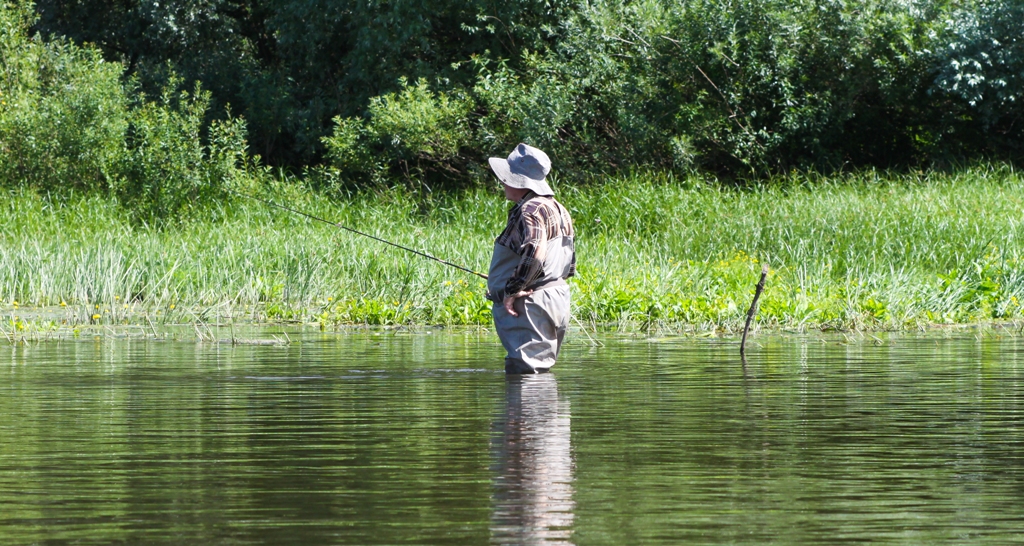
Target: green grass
(860,251)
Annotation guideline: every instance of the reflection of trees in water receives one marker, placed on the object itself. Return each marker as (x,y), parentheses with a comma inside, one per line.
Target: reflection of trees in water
(533,457)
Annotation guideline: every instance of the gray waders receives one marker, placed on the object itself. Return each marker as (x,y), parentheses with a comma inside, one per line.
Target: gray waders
(534,338)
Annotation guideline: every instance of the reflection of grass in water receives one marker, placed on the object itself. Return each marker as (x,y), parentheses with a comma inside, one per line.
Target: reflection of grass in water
(858,251)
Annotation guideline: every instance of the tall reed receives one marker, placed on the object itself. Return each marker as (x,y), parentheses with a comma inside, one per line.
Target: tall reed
(867,250)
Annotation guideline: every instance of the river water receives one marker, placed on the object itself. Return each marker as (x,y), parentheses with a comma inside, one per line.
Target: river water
(418,437)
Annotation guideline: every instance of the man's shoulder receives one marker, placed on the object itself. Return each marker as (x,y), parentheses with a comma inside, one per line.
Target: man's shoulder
(541,206)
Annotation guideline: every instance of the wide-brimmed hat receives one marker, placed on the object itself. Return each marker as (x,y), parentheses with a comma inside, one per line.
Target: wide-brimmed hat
(526,167)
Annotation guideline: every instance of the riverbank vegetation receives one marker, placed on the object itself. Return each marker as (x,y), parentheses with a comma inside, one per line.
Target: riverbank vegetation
(861,251)
(421,93)
(691,140)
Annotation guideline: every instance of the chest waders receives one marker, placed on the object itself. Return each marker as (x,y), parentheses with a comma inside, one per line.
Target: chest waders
(533,339)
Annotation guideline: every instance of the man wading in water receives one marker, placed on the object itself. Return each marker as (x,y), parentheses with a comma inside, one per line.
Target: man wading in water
(532,258)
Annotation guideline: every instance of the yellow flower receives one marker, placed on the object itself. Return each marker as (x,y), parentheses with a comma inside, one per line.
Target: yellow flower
(328,299)
(95,317)
(172,306)
(63,303)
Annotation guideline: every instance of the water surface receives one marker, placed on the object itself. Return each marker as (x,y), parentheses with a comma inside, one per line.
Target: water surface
(419,437)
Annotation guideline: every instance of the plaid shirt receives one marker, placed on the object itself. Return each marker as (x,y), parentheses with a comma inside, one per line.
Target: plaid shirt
(532,222)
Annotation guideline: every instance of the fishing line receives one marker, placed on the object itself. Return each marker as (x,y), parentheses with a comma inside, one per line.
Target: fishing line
(357,232)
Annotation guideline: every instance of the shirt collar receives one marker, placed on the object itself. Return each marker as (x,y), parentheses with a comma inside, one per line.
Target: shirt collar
(529,195)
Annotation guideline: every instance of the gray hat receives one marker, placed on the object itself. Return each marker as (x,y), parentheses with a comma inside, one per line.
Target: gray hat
(526,167)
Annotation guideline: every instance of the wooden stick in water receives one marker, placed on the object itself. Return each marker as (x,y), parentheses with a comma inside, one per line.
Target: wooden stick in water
(753,309)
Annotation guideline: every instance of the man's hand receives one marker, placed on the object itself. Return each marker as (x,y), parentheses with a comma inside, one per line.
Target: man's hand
(509,300)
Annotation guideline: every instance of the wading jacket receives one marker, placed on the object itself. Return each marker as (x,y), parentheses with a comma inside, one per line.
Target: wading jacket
(532,222)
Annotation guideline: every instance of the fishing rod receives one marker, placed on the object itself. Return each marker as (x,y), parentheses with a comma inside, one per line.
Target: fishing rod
(357,232)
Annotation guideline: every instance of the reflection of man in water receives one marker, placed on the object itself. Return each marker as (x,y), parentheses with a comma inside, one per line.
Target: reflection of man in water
(533,490)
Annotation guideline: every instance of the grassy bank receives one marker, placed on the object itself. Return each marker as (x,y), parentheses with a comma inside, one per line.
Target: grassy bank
(863,251)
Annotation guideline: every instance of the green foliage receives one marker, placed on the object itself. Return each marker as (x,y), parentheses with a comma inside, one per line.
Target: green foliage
(166,169)
(739,85)
(981,61)
(63,114)
(411,133)
(68,123)
(732,87)
(860,251)
(735,87)
(291,66)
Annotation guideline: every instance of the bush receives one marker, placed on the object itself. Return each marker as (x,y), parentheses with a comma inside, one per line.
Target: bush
(63,112)
(981,61)
(67,122)
(735,86)
(413,133)
(166,170)
(291,66)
